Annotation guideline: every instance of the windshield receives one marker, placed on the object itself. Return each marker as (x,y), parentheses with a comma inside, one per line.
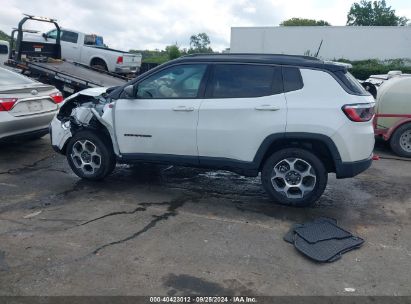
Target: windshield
(11,78)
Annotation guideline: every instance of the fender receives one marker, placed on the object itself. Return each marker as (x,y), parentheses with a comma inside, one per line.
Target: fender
(98,58)
(342,169)
(387,133)
(269,140)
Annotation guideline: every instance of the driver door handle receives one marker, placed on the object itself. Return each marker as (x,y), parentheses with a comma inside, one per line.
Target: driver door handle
(267,108)
(183,109)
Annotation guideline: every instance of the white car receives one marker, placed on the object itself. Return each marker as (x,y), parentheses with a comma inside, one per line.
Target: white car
(90,50)
(293,118)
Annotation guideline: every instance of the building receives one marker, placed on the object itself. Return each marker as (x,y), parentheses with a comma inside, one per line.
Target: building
(348,42)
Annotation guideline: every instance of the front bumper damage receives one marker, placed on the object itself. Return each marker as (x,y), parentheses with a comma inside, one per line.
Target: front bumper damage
(59,135)
(88,109)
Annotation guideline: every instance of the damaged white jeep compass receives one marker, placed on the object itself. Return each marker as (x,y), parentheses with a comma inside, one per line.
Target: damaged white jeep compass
(293,118)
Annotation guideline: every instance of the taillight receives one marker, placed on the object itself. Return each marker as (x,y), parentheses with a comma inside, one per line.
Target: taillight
(57,97)
(119,59)
(359,112)
(6,104)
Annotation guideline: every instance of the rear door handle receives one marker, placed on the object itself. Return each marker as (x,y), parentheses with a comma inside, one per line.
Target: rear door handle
(183,109)
(267,108)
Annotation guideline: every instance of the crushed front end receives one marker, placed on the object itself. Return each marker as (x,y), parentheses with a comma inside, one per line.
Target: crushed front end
(89,109)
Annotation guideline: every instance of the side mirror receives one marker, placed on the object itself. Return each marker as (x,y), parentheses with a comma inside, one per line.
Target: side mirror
(129,91)
(44,36)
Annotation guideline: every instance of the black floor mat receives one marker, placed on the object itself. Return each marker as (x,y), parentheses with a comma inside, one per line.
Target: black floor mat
(289,236)
(322,240)
(320,231)
(328,250)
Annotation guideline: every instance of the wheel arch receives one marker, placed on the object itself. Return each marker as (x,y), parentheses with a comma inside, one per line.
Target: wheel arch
(96,59)
(319,144)
(99,129)
(398,124)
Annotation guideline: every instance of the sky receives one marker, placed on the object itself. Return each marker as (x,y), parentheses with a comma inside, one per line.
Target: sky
(154,24)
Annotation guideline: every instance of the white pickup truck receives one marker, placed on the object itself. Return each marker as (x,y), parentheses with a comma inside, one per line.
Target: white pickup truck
(90,50)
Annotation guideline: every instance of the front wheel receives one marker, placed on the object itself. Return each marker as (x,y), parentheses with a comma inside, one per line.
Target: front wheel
(90,156)
(401,141)
(294,177)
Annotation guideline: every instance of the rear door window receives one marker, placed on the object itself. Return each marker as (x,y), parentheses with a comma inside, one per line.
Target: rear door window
(244,81)
(69,36)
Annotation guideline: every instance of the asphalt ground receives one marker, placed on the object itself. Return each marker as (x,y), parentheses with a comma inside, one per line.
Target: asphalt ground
(155,230)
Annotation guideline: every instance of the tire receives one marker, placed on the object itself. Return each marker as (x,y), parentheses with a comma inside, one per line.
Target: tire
(309,174)
(99,65)
(90,155)
(400,141)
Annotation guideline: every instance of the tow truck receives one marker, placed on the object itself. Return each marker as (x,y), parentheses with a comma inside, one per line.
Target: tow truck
(43,62)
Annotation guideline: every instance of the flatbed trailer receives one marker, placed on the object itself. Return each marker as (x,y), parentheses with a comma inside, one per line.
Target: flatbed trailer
(43,62)
(68,77)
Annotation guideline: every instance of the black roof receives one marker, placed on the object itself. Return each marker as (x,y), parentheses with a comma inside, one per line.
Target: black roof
(279,59)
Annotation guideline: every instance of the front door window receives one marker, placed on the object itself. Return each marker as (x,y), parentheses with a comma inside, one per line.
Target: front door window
(181,81)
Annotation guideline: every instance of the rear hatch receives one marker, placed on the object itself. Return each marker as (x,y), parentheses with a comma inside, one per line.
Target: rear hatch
(30,100)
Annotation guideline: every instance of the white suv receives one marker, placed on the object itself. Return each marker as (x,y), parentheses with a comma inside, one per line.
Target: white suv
(293,118)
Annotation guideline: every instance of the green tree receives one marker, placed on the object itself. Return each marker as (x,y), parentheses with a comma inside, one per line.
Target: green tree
(173,51)
(4,36)
(152,56)
(303,22)
(374,13)
(200,43)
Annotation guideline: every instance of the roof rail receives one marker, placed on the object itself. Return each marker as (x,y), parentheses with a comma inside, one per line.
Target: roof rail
(253,54)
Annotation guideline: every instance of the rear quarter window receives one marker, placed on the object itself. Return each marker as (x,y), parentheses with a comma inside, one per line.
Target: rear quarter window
(350,83)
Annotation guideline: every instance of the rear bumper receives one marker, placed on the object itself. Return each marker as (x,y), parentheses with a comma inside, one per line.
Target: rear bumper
(11,126)
(36,133)
(126,70)
(350,169)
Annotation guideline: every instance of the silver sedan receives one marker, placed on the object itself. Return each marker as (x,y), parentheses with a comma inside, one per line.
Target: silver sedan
(26,106)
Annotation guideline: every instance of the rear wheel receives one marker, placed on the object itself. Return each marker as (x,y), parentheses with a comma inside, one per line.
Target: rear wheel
(90,156)
(294,177)
(401,141)
(99,64)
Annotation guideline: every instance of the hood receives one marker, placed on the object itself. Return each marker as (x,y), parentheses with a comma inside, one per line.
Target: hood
(91,97)
(92,92)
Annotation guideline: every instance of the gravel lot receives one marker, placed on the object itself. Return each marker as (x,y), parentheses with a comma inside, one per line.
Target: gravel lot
(150,230)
